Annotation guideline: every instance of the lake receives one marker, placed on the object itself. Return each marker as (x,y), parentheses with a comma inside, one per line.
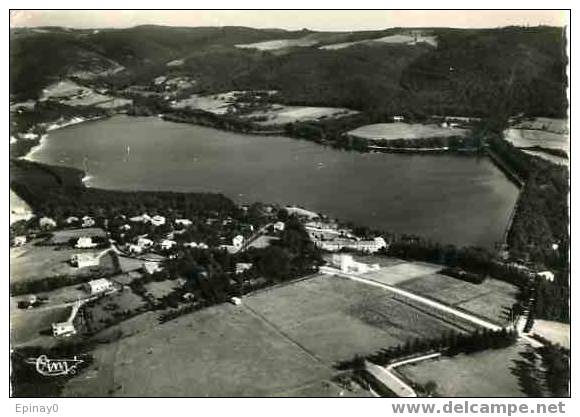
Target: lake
(451,199)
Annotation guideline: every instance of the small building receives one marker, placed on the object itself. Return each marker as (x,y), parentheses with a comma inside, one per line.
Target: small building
(190,245)
(279,226)
(125,227)
(238,241)
(88,221)
(236,301)
(167,244)
(143,242)
(85,243)
(19,241)
(71,220)
(183,222)
(83,260)
(242,267)
(99,286)
(158,220)
(144,218)
(64,329)
(151,267)
(398,118)
(47,223)
(135,249)
(547,275)
(202,246)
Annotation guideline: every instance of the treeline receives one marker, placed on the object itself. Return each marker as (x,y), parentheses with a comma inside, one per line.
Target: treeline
(60,194)
(450,344)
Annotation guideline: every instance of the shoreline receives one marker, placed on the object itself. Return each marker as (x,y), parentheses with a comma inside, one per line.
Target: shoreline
(53,127)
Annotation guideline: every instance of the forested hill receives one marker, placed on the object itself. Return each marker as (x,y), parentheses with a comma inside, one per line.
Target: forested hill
(412,71)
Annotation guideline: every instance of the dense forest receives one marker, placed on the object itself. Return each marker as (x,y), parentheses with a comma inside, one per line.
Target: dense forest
(469,72)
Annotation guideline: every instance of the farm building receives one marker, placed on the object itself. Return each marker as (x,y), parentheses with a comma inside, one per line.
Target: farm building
(82,260)
(99,286)
(347,264)
(19,240)
(47,223)
(135,249)
(279,226)
(85,243)
(64,329)
(398,118)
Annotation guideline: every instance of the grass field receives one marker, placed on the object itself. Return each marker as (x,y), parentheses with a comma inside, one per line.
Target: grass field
(555,332)
(402,272)
(26,325)
(282,341)
(487,300)
(492,373)
(391,131)
(527,138)
(38,262)
(279,115)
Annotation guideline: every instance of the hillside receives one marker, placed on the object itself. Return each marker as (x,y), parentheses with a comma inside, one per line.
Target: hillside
(420,71)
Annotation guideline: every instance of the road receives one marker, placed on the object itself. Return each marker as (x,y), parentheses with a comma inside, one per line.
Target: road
(423,300)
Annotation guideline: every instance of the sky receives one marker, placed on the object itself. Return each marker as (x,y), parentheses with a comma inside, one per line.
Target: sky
(329,20)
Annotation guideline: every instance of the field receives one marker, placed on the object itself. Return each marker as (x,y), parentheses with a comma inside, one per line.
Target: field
(281,341)
(279,115)
(392,39)
(524,138)
(555,332)
(281,44)
(545,124)
(392,131)
(487,300)
(548,157)
(402,272)
(64,236)
(493,373)
(26,325)
(160,289)
(31,263)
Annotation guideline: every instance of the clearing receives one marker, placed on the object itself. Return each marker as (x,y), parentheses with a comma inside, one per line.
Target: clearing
(392,131)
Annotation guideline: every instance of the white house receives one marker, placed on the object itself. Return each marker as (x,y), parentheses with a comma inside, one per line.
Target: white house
(547,275)
(85,243)
(238,241)
(236,301)
(88,221)
(47,223)
(19,241)
(143,242)
(64,329)
(167,244)
(242,267)
(279,226)
(158,220)
(144,218)
(125,227)
(82,260)
(99,286)
(398,118)
(136,249)
(71,220)
(202,246)
(190,245)
(183,222)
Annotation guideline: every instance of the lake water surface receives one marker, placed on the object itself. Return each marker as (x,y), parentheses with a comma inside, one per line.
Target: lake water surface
(451,199)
